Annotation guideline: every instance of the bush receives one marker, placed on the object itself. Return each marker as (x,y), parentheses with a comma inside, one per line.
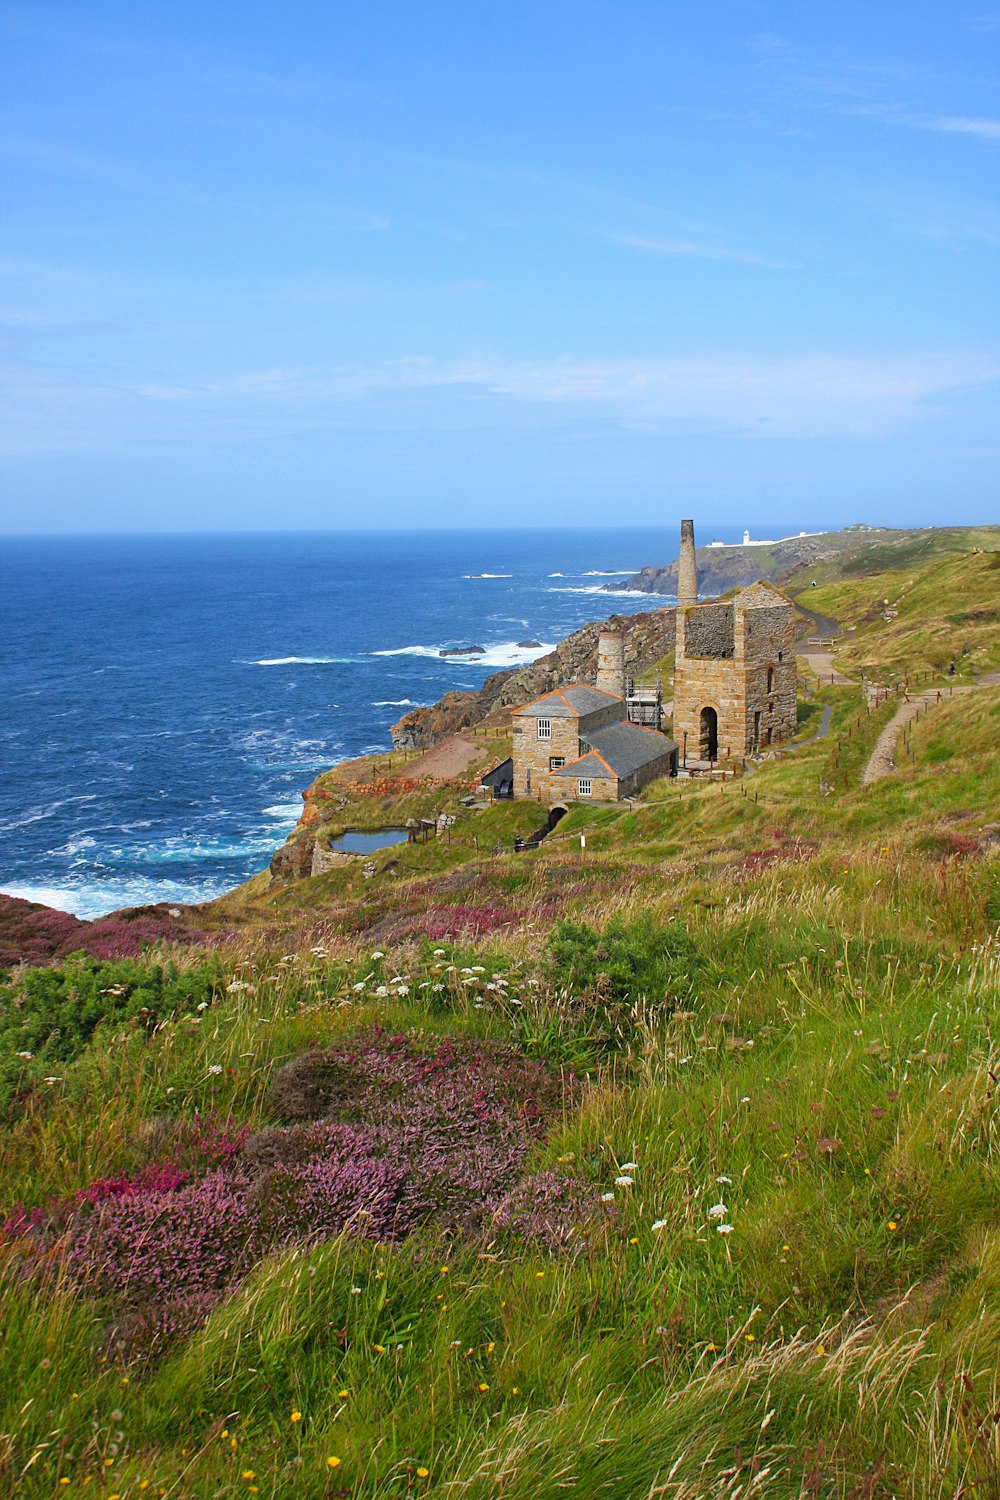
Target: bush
(624,962)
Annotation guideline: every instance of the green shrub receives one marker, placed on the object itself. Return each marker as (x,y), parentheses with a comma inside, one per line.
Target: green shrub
(51,1015)
(658,963)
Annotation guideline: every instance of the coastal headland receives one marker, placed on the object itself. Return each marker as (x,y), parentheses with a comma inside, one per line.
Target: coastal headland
(665,1134)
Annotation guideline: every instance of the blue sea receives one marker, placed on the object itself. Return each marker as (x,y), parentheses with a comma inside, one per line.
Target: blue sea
(167,698)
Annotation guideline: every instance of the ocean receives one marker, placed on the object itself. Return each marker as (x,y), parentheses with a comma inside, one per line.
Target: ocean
(167,698)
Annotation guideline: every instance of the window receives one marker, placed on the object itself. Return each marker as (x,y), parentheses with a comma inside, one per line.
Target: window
(545,729)
(555,761)
(584,787)
(770,679)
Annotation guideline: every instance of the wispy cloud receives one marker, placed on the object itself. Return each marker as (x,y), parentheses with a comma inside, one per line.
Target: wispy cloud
(982,127)
(808,396)
(698,250)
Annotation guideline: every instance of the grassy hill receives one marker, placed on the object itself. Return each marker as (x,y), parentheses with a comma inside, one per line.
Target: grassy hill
(667,1166)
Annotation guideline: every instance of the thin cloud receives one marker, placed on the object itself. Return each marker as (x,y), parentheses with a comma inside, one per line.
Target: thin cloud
(698,250)
(864,397)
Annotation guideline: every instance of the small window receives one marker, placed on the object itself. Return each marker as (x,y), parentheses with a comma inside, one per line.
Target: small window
(584,787)
(555,761)
(545,729)
(770,679)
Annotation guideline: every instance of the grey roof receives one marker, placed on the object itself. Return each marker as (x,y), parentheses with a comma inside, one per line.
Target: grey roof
(619,748)
(571,702)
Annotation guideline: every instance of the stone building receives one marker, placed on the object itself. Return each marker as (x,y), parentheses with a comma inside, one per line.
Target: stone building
(577,744)
(734,675)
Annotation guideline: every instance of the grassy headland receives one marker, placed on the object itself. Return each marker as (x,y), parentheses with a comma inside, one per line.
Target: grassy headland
(667,1166)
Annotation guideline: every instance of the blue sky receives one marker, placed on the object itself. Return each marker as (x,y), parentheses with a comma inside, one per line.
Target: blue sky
(476,261)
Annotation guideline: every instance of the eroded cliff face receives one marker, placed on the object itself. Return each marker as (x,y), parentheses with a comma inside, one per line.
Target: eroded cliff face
(648,637)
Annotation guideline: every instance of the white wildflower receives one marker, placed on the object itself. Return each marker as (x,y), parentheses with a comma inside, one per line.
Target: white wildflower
(377,955)
(437,988)
(26,1055)
(724,1179)
(718,1211)
(381,991)
(359,987)
(629,1166)
(723,1228)
(439,953)
(203,1005)
(215,1068)
(607,1197)
(623,1182)
(658,1224)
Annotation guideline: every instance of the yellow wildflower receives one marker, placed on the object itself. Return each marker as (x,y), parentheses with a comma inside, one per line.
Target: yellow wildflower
(483,1386)
(422,1473)
(296,1416)
(333,1462)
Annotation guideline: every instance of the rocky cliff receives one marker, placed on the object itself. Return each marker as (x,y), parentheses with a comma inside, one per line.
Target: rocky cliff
(648,637)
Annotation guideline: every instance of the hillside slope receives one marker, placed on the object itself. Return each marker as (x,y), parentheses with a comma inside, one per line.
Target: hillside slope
(668,1165)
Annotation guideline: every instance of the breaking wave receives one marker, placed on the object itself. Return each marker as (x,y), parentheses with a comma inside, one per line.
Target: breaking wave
(502,654)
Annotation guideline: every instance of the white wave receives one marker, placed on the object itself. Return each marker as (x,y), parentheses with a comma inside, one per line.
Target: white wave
(557,575)
(91,901)
(599,588)
(607,572)
(39,814)
(487,575)
(296,661)
(286,811)
(395,703)
(502,654)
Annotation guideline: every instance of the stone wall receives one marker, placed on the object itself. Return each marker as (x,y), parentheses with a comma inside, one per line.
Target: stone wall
(532,755)
(709,631)
(602,789)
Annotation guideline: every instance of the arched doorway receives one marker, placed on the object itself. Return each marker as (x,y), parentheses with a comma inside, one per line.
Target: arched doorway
(708,740)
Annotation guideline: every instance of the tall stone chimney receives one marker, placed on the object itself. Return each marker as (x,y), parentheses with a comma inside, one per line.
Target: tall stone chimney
(687,568)
(611,662)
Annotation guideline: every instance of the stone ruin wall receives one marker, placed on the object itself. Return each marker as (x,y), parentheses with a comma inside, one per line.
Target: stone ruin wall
(769,641)
(708,631)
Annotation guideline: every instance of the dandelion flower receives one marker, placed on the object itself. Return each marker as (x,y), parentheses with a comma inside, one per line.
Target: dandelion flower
(342,1395)
(333,1462)
(483,1386)
(892,1224)
(296,1416)
(423,1473)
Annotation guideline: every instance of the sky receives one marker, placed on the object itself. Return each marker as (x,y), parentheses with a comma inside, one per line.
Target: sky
(486,262)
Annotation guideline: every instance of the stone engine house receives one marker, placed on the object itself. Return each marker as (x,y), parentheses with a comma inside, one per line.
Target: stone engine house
(734,676)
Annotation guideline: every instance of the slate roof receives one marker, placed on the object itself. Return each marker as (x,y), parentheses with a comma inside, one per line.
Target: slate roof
(618,750)
(572,702)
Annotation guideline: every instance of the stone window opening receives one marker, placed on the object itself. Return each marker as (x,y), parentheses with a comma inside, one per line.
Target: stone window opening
(770,680)
(545,729)
(584,786)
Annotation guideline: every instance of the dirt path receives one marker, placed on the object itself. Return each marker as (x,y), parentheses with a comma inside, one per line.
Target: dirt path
(882,760)
(451,757)
(819,659)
